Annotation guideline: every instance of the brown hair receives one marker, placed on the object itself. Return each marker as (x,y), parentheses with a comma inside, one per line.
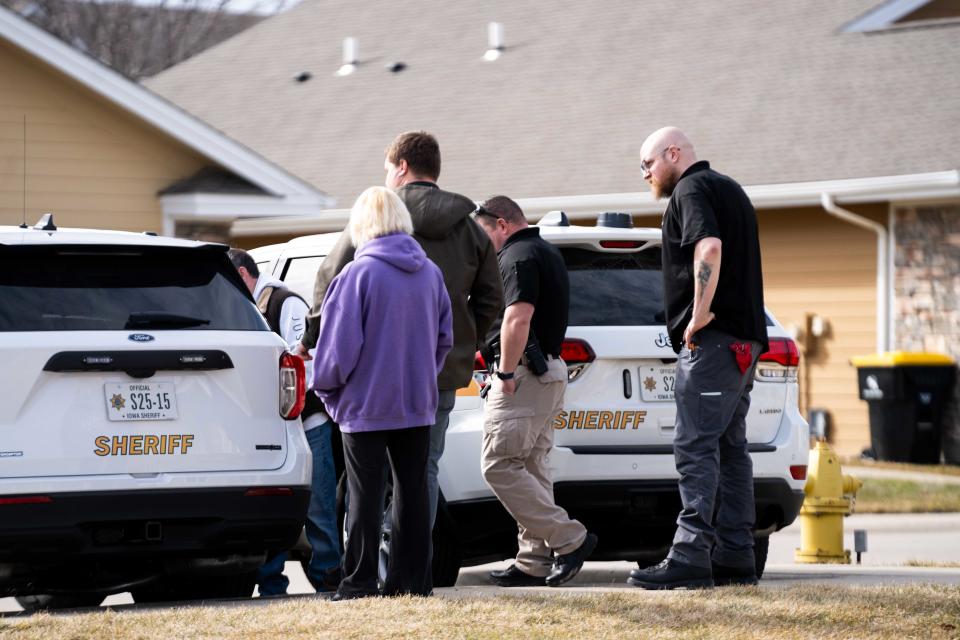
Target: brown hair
(501,207)
(420,150)
(241,258)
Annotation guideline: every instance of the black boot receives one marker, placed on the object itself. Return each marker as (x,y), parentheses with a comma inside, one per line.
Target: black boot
(671,574)
(566,566)
(512,576)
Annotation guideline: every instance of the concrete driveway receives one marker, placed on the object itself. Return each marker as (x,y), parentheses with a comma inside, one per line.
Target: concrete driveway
(893,541)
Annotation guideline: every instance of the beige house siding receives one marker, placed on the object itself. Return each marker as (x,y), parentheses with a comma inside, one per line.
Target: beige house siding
(89,162)
(816,264)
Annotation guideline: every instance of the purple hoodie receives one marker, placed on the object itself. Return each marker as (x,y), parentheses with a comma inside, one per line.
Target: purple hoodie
(385,330)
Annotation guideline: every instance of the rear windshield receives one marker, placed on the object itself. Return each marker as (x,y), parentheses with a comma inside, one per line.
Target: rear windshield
(122,288)
(615,289)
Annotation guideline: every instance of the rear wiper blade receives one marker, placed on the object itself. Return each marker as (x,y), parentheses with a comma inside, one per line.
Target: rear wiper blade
(159,320)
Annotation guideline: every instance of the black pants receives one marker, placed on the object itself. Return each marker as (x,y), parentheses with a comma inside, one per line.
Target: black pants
(365,455)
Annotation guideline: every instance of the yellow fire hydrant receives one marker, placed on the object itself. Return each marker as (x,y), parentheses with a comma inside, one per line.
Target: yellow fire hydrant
(828,498)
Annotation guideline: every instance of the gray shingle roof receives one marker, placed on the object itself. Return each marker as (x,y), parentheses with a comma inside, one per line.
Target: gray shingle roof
(770,92)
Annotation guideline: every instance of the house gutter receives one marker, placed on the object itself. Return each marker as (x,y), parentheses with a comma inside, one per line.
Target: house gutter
(826,200)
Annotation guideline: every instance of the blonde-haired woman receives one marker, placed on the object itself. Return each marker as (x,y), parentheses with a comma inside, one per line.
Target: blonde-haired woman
(385,330)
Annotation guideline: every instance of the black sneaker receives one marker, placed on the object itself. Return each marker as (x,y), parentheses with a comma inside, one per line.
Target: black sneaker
(512,576)
(734,576)
(671,574)
(566,566)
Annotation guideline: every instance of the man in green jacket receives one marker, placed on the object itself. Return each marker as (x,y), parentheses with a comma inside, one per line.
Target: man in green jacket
(452,240)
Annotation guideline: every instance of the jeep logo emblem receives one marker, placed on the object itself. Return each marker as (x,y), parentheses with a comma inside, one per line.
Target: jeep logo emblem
(663,340)
(140,337)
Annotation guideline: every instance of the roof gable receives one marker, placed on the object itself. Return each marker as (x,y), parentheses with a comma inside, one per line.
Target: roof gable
(158,112)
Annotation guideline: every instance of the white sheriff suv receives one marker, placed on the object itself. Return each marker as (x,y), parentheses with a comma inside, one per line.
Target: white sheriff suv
(612,463)
(148,440)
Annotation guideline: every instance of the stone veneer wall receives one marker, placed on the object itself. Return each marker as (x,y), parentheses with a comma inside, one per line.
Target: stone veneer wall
(927,285)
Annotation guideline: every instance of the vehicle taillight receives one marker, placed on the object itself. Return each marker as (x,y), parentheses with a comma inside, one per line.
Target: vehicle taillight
(577,354)
(481,375)
(293,385)
(798,471)
(782,351)
(780,363)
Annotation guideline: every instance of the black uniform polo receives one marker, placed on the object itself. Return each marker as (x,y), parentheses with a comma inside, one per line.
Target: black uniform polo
(707,204)
(533,271)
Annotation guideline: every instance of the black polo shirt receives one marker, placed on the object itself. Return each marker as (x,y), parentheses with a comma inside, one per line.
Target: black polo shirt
(534,271)
(708,204)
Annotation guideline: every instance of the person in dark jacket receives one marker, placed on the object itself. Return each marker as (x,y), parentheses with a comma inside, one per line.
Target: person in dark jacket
(285,313)
(443,226)
(385,330)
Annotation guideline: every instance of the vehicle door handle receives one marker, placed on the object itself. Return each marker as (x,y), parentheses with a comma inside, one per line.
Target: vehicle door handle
(627,384)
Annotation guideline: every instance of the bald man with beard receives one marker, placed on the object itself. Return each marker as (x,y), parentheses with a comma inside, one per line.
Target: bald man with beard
(713,293)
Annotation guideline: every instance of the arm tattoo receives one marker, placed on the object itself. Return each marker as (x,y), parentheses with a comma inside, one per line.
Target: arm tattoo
(704,271)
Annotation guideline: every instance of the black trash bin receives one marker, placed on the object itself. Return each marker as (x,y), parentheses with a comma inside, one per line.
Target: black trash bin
(907,394)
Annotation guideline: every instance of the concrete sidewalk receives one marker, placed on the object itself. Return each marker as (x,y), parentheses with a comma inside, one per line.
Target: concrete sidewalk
(611,577)
(893,541)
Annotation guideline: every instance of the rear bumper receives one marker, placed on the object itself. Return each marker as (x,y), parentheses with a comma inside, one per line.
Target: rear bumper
(634,519)
(654,503)
(155,523)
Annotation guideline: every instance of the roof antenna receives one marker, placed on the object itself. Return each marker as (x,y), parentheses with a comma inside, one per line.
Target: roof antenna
(495,44)
(23,222)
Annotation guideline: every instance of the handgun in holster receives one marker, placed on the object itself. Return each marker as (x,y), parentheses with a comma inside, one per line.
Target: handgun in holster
(532,356)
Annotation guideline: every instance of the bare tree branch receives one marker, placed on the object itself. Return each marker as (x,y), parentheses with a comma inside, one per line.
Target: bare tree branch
(136,39)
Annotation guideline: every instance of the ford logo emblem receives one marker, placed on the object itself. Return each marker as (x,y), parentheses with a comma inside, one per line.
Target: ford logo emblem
(140,337)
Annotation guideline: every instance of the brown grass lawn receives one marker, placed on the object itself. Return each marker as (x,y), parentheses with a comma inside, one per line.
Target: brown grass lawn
(806,611)
(932,564)
(849,463)
(883,495)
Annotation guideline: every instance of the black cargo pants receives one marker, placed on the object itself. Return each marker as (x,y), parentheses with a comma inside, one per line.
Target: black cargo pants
(710,448)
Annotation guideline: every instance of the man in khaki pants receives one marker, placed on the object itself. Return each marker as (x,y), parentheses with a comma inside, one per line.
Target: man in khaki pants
(525,396)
